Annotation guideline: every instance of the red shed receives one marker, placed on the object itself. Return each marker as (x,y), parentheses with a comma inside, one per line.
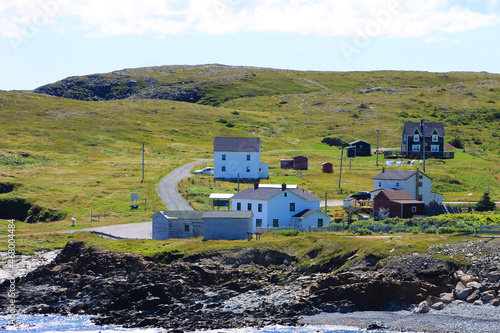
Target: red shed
(327,167)
(399,204)
(300,162)
(286,163)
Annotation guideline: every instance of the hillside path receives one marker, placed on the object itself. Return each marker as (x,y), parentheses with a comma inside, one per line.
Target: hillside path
(167,188)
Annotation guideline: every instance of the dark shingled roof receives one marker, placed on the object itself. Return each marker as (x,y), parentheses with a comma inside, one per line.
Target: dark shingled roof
(266,193)
(400,196)
(306,212)
(410,127)
(250,145)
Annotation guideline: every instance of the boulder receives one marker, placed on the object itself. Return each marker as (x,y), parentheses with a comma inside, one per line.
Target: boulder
(478,302)
(494,276)
(474,285)
(446,298)
(461,292)
(438,306)
(488,296)
(423,307)
(474,296)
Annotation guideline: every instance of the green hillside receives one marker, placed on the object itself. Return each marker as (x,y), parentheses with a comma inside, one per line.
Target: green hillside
(83,155)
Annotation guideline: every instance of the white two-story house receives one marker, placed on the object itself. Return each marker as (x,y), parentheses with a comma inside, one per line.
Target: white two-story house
(238,158)
(280,207)
(416,183)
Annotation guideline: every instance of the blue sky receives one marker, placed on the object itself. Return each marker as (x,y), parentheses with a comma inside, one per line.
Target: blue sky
(42,41)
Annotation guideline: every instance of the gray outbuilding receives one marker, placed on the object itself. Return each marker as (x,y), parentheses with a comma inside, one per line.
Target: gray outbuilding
(229,225)
(177,224)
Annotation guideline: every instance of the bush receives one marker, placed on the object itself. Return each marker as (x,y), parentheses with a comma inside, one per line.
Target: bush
(414,230)
(364,232)
(447,230)
(430,231)
(287,233)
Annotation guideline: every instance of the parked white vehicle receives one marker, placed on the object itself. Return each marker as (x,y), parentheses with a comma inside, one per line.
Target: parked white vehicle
(205,171)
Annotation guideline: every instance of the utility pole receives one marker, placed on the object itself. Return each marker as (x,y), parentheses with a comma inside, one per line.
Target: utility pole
(341,156)
(142,162)
(326,202)
(238,183)
(378,135)
(422,130)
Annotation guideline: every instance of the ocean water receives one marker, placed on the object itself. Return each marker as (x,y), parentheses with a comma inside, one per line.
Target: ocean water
(83,324)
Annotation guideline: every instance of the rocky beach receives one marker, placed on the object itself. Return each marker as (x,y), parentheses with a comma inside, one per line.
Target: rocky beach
(263,287)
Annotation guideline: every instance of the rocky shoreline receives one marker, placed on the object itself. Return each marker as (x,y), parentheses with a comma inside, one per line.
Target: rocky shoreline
(253,287)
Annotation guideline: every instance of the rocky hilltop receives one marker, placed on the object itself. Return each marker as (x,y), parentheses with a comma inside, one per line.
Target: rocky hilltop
(251,287)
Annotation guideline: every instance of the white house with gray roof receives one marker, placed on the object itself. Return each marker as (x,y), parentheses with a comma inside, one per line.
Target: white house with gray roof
(416,183)
(274,207)
(238,158)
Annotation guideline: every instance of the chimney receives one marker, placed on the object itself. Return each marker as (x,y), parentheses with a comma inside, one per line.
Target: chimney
(383,169)
(283,186)
(255,185)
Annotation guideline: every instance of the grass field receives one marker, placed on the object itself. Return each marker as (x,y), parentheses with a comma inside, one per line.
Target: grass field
(87,156)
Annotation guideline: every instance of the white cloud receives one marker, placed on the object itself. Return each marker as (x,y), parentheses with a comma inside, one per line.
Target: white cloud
(424,18)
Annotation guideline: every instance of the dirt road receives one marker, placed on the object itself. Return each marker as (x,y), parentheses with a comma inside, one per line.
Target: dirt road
(167,188)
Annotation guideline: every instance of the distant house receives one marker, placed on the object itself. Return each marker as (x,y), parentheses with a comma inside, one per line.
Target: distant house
(211,224)
(177,224)
(327,167)
(298,163)
(416,183)
(398,203)
(362,148)
(310,218)
(238,158)
(423,135)
(272,206)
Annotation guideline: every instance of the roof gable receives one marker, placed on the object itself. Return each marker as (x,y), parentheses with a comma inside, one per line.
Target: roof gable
(267,193)
(397,175)
(411,127)
(235,144)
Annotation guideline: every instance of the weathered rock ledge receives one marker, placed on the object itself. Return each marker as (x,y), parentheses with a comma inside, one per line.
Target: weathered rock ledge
(249,287)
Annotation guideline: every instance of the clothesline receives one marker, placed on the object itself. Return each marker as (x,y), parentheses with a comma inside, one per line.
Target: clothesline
(398,163)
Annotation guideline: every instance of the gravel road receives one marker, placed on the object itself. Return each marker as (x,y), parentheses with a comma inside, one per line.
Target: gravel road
(167,188)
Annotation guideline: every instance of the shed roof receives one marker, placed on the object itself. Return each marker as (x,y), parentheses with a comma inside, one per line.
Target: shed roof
(180,214)
(266,193)
(235,144)
(227,214)
(410,127)
(358,141)
(221,196)
(400,196)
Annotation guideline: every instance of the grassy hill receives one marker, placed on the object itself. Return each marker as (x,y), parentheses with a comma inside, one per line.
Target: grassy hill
(85,155)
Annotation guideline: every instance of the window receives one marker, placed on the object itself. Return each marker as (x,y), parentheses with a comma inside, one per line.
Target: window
(258,223)
(413,209)
(415,147)
(223,157)
(285,194)
(259,208)
(435,138)
(416,137)
(420,177)
(248,157)
(420,197)
(223,168)
(397,184)
(249,206)
(379,184)
(320,223)
(186,227)
(435,148)
(238,206)
(276,223)
(420,184)
(292,206)
(248,169)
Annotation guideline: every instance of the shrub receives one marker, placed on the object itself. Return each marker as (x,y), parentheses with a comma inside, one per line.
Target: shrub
(447,230)
(287,233)
(364,232)
(485,203)
(430,231)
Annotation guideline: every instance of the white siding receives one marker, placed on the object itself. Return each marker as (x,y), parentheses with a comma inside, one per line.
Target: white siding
(236,163)
(410,185)
(228,229)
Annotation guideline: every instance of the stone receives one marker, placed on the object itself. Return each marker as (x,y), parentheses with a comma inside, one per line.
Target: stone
(474,296)
(494,276)
(488,296)
(423,307)
(461,292)
(458,274)
(474,285)
(495,302)
(376,325)
(446,298)
(478,302)
(438,306)
(457,302)
(466,278)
